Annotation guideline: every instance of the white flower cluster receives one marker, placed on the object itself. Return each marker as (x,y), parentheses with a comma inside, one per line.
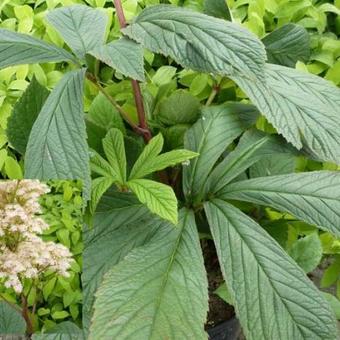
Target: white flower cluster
(23,254)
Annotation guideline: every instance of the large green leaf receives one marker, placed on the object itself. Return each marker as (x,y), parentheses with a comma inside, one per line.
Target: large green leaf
(11,321)
(287,45)
(24,114)
(198,41)
(253,145)
(124,55)
(273,297)
(114,149)
(83,28)
(17,48)
(65,330)
(159,291)
(313,197)
(304,108)
(57,145)
(158,197)
(209,137)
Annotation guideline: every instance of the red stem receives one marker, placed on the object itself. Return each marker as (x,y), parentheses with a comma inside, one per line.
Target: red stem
(135,84)
(25,315)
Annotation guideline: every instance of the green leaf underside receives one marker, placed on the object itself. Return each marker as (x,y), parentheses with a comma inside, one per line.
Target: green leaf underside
(158,197)
(17,49)
(307,252)
(11,321)
(99,186)
(209,137)
(159,291)
(120,224)
(57,146)
(273,297)
(287,45)
(123,55)
(253,146)
(218,9)
(24,114)
(83,28)
(304,108)
(114,149)
(198,41)
(313,197)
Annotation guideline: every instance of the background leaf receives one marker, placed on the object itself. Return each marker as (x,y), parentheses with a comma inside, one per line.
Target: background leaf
(83,28)
(24,114)
(218,9)
(167,289)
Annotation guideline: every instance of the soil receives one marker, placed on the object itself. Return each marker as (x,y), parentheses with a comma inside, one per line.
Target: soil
(219,310)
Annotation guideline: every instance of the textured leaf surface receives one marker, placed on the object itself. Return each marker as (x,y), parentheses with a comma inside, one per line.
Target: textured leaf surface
(124,55)
(101,166)
(57,146)
(313,197)
(273,297)
(287,45)
(120,224)
(158,197)
(114,149)
(66,330)
(304,108)
(159,291)
(218,9)
(253,145)
(24,114)
(11,321)
(17,48)
(83,28)
(209,137)
(198,41)
(307,252)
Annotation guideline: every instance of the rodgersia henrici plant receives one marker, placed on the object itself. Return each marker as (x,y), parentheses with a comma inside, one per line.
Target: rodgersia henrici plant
(163,168)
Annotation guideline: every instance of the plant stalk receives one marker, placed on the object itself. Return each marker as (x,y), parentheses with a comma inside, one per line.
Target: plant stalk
(25,315)
(135,84)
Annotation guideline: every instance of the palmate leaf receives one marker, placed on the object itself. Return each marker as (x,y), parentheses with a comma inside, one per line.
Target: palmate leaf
(253,145)
(57,146)
(83,28)
(17,49)
(198,41)
(304,108)
(120,224)
(313,197)
(101,166)
(24,114)
(158,197)
(124,55)
(11,321)
(287,44)
(98,187)
(209,137)
(273,297)
(159,291)
(150,161)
